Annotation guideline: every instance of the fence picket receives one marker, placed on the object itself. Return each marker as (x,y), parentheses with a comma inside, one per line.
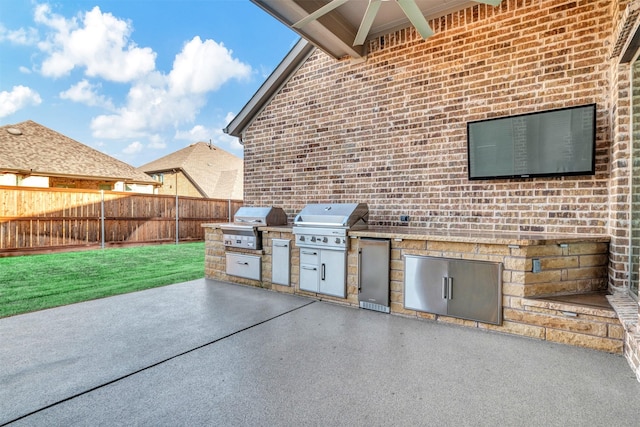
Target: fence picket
(41,218)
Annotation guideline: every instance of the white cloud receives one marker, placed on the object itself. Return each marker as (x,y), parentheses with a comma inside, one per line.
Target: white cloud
(24,70)
(197,133)
(125,124)
(86,93)
(149,108)
(156,142)
(100,45)
(21,36)
(160,101)
(134,147)
(95,41)
(204,66)
(19,97)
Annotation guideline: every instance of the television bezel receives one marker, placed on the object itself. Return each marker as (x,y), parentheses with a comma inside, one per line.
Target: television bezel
(591,171)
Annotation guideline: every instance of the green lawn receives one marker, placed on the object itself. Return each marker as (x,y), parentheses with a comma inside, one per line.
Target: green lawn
(35,282)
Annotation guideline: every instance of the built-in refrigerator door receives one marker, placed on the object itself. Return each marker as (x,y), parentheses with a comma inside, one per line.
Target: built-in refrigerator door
(373,274)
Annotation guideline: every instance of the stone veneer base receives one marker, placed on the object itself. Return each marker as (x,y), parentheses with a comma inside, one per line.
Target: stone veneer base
(569,266)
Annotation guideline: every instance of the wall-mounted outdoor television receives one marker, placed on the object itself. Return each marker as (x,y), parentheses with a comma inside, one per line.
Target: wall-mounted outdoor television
(547,143)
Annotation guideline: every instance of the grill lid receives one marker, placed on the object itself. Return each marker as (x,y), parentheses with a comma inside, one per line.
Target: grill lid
(259,216)
(343,215)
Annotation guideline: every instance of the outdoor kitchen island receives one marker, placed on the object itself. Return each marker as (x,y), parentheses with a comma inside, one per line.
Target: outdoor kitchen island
(540,274)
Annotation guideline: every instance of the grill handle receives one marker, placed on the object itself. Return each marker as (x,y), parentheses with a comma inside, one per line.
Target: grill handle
(323,271)
(301,223)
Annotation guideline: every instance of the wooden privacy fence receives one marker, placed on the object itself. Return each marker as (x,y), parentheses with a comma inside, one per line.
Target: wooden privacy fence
(44,218)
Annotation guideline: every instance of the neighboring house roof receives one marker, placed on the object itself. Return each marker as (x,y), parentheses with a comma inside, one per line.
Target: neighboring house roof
(216,173)
(280,76)
(30,148)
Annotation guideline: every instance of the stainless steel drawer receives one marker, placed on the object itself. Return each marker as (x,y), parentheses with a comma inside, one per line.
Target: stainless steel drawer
(247,266)
(309,256)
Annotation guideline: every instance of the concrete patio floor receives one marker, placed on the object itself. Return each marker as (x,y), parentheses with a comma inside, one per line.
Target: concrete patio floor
(212,353)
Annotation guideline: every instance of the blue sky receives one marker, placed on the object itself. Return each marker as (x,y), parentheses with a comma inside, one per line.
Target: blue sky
(136,79)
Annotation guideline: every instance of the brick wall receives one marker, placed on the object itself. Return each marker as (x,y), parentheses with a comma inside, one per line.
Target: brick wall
(391,131)
(620,165)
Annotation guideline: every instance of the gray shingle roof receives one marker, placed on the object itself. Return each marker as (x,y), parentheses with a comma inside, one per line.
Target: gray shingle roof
(217,173)
(38,150)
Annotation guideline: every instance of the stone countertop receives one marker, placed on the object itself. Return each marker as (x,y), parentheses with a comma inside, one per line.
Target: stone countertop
(460,236)
(476,236)
(280,228)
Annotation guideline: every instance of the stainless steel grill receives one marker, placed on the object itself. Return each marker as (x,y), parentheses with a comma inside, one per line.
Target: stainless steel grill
(326,225)
(243,231)
(321,233)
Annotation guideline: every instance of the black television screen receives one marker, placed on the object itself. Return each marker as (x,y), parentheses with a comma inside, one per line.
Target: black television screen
(548,143)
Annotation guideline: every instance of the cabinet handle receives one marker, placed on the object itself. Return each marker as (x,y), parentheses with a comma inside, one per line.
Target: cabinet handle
(450,287)
(309,253)
(242,263)
(280,246)
(359,270)
(323,270)
(309,268)
(444,287)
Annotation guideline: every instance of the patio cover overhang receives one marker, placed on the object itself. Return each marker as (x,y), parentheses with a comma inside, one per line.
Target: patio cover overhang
(341,28)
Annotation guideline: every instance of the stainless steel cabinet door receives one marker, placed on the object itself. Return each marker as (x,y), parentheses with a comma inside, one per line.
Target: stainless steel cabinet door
(425,284)
(281,262)
(475,291)
(333,273)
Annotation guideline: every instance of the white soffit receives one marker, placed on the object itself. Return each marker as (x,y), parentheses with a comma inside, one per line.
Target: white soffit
(342,27)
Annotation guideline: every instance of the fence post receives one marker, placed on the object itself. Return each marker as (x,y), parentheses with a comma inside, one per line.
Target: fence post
(102,219)
(177,221)
(229,214)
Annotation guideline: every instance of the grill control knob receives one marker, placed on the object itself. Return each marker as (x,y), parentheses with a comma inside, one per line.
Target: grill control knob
(337,240)
(302,238)
(313,239)
(325,240)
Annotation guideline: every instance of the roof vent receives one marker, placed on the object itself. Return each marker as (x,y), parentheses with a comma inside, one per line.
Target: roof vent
(14,131)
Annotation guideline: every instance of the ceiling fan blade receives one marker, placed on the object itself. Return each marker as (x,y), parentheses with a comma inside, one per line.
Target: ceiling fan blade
(416,17)
(490,2)
(320,12)
(367,21)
